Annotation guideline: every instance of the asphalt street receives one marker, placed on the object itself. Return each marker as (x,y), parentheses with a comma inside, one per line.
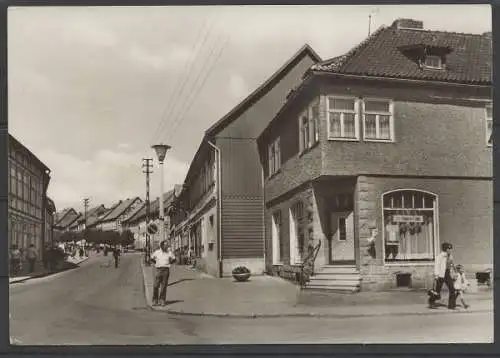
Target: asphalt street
(98,304)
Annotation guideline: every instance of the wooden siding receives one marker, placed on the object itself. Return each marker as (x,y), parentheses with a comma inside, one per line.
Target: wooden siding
(242,227)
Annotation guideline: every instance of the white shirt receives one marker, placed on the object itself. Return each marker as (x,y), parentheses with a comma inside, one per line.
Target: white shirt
(461,282)
(442,263)
(162,258)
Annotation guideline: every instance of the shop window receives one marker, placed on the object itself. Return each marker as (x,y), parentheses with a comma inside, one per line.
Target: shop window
(410,218)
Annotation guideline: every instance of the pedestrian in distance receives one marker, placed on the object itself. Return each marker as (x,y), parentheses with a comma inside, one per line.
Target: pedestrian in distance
(460,285)
(162,258)
(15,260)
(444,273)
(116,255)
(31,256)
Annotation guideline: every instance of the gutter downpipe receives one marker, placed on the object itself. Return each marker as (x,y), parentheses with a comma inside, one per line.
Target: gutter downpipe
(219,208)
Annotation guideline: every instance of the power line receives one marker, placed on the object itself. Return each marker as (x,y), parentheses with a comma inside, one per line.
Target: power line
(208,73)
(148,165)
(187,72)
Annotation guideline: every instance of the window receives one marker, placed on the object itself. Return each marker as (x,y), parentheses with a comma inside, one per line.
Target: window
(342,118)
(309,126)
(297,236)
(410,217)
(342,229)
(433,62)
(489,125)
(378,120)
(274,156)
(277,239)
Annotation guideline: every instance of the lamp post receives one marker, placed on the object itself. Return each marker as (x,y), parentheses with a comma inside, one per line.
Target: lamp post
(161,151)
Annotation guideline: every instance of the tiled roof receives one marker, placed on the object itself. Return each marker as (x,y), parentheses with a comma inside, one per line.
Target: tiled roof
(154,207)
(385,54)
(68,220)
(63,213)
(119,209)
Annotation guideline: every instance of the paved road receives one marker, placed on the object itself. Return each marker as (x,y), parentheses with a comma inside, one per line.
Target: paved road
(97,304)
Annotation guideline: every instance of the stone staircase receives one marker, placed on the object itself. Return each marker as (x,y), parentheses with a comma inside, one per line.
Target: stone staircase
(335,278)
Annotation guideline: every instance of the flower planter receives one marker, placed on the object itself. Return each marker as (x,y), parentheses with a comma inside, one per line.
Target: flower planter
(241,277)
(241,274)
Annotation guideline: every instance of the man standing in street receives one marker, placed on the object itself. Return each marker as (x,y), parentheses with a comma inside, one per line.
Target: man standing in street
(162,259)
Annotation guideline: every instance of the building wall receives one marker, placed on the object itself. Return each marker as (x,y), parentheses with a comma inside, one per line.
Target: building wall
(311,224)
(427,131)
(431,124)
(26,197)
(465,220)
(242,186)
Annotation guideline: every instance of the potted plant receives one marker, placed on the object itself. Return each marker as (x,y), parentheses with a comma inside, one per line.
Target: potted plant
(241,273)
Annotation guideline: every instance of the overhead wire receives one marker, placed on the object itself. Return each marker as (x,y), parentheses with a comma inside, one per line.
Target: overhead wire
(193,98)
(186,75)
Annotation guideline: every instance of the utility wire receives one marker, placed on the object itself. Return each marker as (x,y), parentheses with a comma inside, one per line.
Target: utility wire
(195,97)
(176,89)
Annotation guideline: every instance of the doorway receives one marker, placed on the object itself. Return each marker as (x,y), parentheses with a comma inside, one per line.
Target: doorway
(342,239)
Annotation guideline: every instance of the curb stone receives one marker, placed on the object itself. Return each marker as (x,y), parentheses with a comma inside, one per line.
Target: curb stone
(310,314)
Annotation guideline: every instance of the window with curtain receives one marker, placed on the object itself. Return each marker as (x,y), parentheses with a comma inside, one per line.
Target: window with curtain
(409,225)
(342,118)
(378,120)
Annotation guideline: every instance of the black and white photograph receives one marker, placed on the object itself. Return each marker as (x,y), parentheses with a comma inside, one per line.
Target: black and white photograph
(258,174)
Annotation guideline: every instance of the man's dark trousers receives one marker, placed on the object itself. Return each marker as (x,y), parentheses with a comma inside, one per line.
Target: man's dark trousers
(161,279)
(451,289)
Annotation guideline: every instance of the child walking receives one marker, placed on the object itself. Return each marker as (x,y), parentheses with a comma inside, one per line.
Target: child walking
(461,285)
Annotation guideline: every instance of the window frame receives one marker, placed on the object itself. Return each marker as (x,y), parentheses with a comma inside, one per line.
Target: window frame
(277,221)
(436,238)
(377,120)
(274,157)
(356,118)
(439,67)
(311,138)
(489,134)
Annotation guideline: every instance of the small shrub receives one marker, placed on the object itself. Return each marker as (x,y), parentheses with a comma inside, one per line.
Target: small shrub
(241,270)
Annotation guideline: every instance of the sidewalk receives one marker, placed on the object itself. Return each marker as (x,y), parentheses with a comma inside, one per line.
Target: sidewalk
(40,271)
(194,293)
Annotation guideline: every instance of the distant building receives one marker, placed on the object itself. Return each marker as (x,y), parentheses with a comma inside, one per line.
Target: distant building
(136,221)
(380,156)
(28,205)
(112,220)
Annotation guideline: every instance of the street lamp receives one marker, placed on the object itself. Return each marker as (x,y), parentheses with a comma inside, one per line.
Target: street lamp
(161,151)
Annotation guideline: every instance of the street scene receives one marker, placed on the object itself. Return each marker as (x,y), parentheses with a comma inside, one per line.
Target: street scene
(197,175)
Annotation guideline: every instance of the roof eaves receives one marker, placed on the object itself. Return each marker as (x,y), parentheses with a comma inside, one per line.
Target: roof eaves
(17,142)
(291,97)
(261,90)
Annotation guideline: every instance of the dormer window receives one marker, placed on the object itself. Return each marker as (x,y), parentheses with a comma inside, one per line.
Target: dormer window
(434,62)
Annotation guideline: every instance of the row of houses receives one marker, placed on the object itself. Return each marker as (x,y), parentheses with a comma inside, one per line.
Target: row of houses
(129,214)
(373,158)
(30,211)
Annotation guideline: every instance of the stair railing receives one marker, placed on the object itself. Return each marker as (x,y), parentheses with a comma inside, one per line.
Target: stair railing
(307,267)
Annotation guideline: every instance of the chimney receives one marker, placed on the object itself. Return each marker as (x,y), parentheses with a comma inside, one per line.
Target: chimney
(408,24)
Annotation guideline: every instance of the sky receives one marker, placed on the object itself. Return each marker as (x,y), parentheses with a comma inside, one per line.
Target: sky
(92,88)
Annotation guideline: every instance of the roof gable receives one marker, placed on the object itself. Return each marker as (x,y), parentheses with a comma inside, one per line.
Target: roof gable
(119,209)
(262,89)
(386,54)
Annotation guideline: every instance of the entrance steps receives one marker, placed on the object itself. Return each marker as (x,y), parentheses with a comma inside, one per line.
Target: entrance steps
(335,278)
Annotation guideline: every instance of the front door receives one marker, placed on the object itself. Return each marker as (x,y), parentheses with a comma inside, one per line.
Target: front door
(342,241)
